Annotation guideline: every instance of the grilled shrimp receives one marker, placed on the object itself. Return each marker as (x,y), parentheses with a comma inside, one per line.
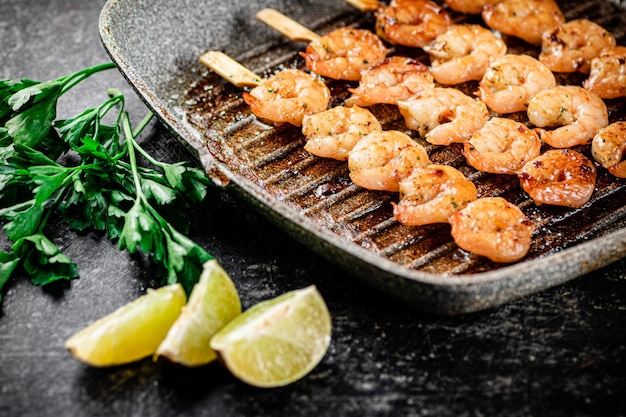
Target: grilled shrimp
(288,96)
(561,177)
(412,23)
(512,80)
(395,78)
(462,53)
(502,146)
(607,76)
(524,19)
(608,148)
(344,53)
(444,115)
(431,194)
(470,6)
(334,132)
(494,228)
(579,113)
(571,46)
(382,158)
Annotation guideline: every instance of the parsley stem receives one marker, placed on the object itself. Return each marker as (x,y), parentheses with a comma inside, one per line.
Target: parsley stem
(142,125)
(114,92)
(130,144)
(71,80)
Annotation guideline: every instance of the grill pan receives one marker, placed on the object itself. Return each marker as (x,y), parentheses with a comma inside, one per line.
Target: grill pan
(156,45)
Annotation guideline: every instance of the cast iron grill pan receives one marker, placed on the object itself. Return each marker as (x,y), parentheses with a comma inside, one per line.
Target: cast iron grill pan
(320,189)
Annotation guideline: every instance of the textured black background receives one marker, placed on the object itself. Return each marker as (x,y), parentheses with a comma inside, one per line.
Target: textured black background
(560,352)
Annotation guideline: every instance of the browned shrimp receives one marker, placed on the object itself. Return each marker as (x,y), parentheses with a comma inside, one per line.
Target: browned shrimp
(382,158)
(470,6)
(395,78)
(288,96)
(411,22)
(502,146)
(344,53)
(561,177)
(577,115)
(571,46)
(285,97)
(431,194)
(494,228)
(334,132)
(607,77)
(512,80)
(524,19)
(444,115)
(462,53)
(608,148)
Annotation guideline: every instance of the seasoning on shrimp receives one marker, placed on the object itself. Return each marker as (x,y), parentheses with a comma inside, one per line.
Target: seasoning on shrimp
(607,76)
(344,53)
(571,46)
(512,80)
(577,115)
(431,194)
(561,177)
(395,78)
(462,53)
(382,158)
(470,6)
(502,146)
(444,115)
(524,19)
(334,132)
(494,228)
(412,23)
(608,148)
(288,96)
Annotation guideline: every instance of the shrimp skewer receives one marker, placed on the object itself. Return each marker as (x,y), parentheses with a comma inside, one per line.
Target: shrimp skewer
(571,46)
(285,97)
(431,194)
(395,78)
(492,227)
(287,27)
(512,80)
(413,23)
(462,53)
(230,70)
(382,158)
(444,115)
(560,177)
(340,55)
(502,146)
(608,148)
(333,133)
(577,114)
(607,76)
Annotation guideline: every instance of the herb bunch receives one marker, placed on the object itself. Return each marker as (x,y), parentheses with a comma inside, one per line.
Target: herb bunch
(86,172)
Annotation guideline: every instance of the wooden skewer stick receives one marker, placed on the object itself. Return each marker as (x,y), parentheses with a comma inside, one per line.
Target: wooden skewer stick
(229,69)
(365,5)
(286,26)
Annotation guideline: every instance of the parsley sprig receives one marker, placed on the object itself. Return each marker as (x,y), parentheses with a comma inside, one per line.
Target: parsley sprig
(86,171)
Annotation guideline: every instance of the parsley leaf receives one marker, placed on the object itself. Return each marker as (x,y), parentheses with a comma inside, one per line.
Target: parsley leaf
(86,172)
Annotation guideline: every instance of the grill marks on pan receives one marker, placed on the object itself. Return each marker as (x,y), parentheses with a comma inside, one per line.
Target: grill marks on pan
(275,160)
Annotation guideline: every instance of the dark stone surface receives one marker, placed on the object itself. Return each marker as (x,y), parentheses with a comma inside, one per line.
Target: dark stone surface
(560,352)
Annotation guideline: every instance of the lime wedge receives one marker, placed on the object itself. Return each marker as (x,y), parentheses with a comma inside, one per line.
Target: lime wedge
(213,303)
(277,341)
(132,332)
